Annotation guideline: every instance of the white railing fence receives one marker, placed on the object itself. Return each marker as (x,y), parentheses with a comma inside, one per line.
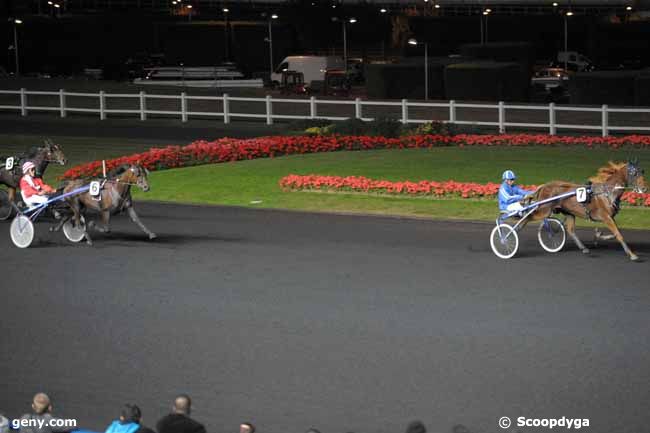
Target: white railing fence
(500,110)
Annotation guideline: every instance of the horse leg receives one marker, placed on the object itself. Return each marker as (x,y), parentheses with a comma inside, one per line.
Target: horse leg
(599,236)
(611,225)
(135,219)
(105,215)
(62,221)
(570,225)
(75,205)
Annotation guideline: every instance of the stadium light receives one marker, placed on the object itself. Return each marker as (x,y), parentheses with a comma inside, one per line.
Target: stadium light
(383,10)
(437,6)
(17,22)
(413,41)
(629,8)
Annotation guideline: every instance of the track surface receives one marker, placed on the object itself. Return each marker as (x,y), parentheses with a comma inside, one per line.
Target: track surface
(343,323)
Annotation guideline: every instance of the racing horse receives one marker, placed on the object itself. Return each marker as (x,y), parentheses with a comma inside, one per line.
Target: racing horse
(40,156)
(114,197)
(602,205)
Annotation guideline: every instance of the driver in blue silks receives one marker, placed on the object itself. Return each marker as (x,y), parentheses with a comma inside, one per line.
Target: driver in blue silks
(510,194)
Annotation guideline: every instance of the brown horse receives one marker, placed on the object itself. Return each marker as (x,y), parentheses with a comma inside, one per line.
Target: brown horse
(114,198)
(607,188)
(40,156)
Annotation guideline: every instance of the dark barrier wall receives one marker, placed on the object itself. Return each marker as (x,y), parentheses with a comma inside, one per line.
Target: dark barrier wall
(516,52)
(606,87)
(642,89)
(487,81)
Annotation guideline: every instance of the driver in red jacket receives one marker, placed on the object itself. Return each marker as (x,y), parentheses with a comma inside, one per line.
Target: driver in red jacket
(33,189)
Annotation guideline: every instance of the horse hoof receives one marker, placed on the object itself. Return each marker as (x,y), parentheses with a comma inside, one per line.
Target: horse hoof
(585,251)
(634,257)
(152,236)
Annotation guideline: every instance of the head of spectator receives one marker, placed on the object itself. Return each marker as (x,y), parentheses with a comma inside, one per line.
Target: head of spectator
(313,430)
(246,427)
(41,404)
(179,420)
(182,405)
(4,424)
(130,413)
(416,427)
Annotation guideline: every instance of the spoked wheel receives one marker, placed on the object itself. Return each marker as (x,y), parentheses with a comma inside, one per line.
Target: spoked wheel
(22,231)
(5,205)
(504,241)
(551,235)
(74,233)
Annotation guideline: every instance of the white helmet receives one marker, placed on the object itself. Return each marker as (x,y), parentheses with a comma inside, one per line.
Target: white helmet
(27,166)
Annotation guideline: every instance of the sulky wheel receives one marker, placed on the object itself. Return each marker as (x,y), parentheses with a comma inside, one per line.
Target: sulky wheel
(73,233)
(551,235)
(5,205)
(22,231)
(504,241)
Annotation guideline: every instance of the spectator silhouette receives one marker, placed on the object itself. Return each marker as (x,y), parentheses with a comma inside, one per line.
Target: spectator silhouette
(129,421)
(179,420)
(4,424)
(41,416)
(246,427)
(416,427)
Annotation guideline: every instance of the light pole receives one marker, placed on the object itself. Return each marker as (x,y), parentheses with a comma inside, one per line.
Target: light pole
(345,38)
(16,23)
(426,66)
(566,38)
(189,12)
(270,40)
(226,24)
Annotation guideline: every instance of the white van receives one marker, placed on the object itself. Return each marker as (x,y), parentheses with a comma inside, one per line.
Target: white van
(574,61)
(313,68)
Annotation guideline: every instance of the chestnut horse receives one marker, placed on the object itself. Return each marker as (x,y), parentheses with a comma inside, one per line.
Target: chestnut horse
(40,156)
(607,187)
(114,198)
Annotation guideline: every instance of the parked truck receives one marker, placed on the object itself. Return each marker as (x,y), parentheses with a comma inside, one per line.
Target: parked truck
(313,68)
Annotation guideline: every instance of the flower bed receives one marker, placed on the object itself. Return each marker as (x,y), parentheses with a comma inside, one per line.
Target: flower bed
(230,149)
(422,188)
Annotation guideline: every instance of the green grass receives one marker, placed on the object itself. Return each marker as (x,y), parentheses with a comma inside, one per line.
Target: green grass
(255,183)
(246,182)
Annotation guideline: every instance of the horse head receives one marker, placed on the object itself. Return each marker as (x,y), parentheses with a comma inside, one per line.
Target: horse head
(635,176)
(54,152)
(137,174)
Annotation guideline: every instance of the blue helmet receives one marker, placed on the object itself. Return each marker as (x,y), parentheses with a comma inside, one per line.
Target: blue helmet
(509,175)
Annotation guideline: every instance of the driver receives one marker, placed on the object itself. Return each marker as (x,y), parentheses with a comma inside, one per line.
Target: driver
(510,194)
(33,189)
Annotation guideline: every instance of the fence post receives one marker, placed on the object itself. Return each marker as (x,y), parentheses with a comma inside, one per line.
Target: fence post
(23,102)
(312,107)
(62,102)
(502,118)
(357,108)
(143,106)
(452,111)
(269,110)
(183,107)
(605,118)
(102,105)
(551,119)
(405,111)
(226,109)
